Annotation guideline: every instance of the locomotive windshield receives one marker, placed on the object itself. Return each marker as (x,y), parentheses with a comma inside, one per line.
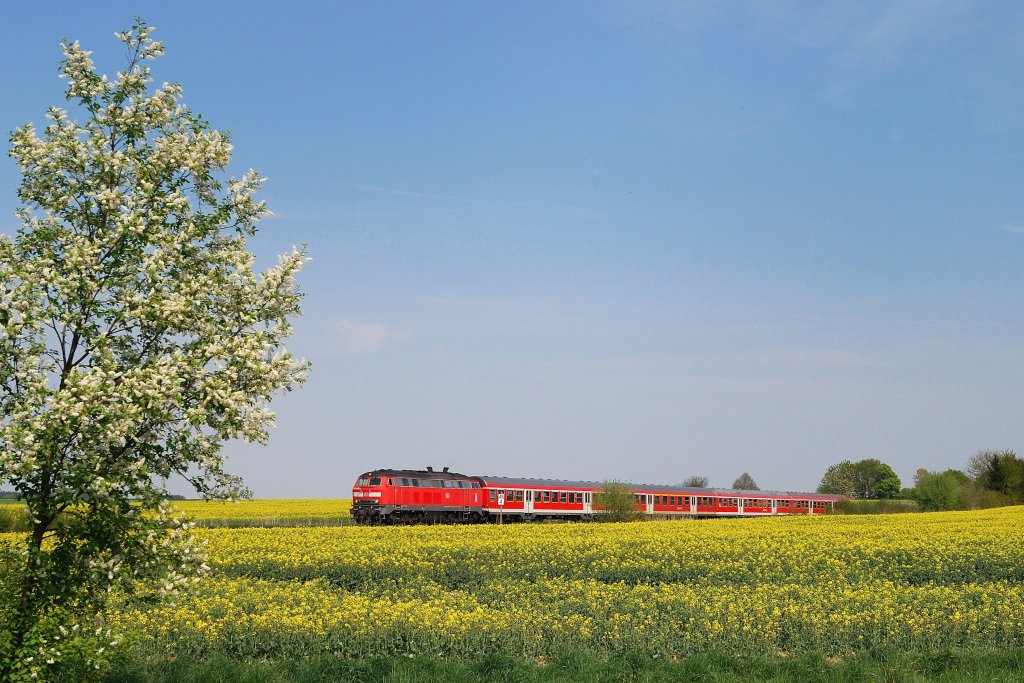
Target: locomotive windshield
(375,481)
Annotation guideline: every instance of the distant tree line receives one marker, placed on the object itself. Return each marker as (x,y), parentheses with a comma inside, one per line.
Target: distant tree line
(992,479)
(989,479)
(14,495)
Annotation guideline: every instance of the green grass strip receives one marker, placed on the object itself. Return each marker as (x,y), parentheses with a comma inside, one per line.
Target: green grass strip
(881,665)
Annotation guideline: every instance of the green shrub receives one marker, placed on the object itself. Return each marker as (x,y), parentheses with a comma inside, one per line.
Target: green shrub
(876,507)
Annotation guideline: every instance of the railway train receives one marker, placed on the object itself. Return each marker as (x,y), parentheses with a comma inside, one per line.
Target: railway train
(391,496)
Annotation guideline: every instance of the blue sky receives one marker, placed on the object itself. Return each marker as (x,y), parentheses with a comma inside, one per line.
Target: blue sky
(633,240)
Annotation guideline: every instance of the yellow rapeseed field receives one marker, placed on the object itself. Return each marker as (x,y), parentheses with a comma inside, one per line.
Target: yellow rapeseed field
(271,512)
(834,584)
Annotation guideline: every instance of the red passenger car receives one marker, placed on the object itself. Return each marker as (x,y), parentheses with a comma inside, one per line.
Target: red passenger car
(515,499)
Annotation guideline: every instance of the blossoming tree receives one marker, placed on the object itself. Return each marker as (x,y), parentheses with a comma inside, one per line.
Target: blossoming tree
(136,337)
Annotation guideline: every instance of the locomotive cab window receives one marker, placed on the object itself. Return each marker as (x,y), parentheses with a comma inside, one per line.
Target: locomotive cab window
(375,481)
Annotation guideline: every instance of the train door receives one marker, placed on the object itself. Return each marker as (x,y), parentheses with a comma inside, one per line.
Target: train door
(650,504)
(587,509)
(528,502)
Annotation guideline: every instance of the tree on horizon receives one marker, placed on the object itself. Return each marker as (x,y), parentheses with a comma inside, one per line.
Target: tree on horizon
(745,482)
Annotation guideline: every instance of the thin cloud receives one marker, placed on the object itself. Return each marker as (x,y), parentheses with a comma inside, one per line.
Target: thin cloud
(359,338)
(414,194)
(902,29)
(1015,229)
(810,357)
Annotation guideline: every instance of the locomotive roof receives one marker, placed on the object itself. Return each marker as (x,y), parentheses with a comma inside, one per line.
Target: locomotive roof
(644,488)
(420,474)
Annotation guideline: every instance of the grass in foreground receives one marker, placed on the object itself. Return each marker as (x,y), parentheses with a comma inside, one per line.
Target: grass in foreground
(881,665)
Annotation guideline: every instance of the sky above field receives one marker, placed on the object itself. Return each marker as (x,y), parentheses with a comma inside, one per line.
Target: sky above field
(612,240)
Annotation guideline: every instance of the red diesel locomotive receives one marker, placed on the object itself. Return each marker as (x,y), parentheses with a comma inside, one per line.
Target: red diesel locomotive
(410,496)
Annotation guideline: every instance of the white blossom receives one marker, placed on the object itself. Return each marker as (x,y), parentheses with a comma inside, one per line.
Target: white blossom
(136,335)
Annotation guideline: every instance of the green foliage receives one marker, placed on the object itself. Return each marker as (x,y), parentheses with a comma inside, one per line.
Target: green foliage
(999,471)
(838,479)
(59,645)
(866,479)
(887,484)
(949,490)
(996,479)
(874,479)
(14,518)
(695,482)
(616,502)
(856,506)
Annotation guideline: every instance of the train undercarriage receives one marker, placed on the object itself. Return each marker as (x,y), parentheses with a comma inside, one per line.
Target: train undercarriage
(367,513)
(372,514)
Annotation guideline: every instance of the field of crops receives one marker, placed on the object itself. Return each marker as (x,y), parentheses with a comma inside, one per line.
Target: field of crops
(267,513)
(765,586)
(235,514)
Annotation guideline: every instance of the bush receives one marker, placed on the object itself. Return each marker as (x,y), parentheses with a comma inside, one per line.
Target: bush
(616,502)
(13,518)
(876,507)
